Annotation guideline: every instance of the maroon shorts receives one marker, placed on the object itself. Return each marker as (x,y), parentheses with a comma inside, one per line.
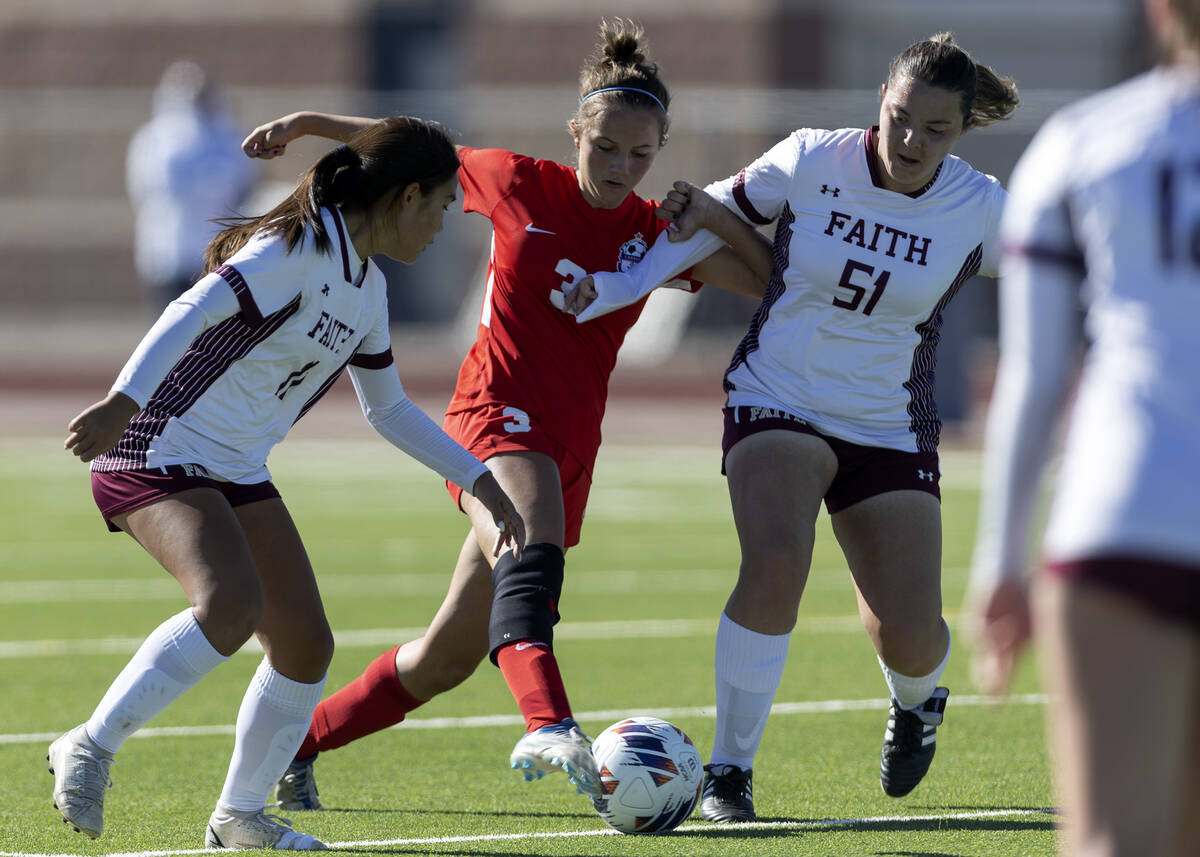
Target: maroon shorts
(120,491)
(1170,590)
(491,429)
(863,471)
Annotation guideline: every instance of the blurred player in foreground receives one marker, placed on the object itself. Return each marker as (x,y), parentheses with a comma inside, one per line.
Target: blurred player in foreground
(529,400)
(1107,222)
(830,393)
(179,448)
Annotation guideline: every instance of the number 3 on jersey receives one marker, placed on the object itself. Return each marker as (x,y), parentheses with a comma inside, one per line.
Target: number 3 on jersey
(571,274)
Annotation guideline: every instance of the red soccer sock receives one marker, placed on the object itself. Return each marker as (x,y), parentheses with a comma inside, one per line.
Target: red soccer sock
(373,701)
(531,672)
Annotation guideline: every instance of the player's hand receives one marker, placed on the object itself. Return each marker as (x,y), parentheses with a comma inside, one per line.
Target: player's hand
(98,428)
(1002,625)
(580,297)
(687,207)
(269,140)
(509,525)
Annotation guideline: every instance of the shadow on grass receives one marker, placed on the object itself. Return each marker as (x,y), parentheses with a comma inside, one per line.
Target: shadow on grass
(779,827)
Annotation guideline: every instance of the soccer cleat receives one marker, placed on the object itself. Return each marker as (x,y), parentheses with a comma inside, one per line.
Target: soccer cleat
(297,788)
(228,828)
(909,743)
(728,796)
(80,769)
(554,747)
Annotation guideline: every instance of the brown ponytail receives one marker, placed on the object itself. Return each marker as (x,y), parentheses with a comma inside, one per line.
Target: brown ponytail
(939,61)
(379,161)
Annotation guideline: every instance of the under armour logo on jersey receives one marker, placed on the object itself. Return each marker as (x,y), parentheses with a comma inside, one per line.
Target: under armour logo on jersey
(325,289)
(831,190)
(926,474)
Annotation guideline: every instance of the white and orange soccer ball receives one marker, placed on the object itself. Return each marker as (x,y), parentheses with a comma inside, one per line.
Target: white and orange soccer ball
(650,774)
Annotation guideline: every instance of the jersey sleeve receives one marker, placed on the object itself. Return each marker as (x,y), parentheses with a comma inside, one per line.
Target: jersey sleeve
(487,176)
(393,414)
(185,318)
(758,192)
(1036,219)
(989,265)
(1039,337)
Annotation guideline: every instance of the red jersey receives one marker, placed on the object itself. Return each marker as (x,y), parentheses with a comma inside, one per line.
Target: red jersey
(529,354)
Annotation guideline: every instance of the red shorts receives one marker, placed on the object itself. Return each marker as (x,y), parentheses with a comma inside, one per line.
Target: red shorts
(120,491)
(1171,590)
(491,429)
(863,471)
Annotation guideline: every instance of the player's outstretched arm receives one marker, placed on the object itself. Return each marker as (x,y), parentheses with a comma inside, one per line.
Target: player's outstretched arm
(745,266)
(269,140)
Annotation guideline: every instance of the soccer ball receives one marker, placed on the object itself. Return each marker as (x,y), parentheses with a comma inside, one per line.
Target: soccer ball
(650,775)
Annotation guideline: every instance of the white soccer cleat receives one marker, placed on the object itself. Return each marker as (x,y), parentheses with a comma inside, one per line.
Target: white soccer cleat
(559,746)
(228,828)
(80,769)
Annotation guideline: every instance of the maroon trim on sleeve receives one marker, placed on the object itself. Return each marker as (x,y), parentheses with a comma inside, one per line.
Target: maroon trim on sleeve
(744,203)
(250,311)
(382,360)
(1072,258)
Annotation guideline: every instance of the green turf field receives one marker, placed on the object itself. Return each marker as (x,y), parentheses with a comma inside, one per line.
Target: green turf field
(641,600)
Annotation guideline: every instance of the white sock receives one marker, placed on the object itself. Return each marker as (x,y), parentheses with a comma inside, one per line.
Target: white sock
(911,691)
(271,725)
(749,667)
(174,657)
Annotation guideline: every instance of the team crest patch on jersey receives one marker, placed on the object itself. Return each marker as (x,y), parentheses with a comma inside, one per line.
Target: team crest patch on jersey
(631,252)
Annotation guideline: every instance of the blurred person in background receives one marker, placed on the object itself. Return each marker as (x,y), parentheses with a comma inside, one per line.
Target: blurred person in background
(178,453)
(1104,216)
(183,169)
(529,400)
(830,393)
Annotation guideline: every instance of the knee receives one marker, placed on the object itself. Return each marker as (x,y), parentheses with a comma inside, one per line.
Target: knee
(229,613)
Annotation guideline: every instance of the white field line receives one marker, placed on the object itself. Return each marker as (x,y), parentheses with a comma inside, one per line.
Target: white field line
(719,831)
(162,588)
(602,717)
(372,637)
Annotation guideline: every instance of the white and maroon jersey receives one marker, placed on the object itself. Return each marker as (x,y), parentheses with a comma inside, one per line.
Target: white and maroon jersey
(298,319)
(847,333)
(530,355)
(1109,222)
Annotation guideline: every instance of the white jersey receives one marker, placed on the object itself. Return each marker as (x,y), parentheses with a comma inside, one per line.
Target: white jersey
(847,333)
(1110,222)
(240,357)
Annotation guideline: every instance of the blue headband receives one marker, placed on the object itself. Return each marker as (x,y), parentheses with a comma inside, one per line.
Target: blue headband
(650,95)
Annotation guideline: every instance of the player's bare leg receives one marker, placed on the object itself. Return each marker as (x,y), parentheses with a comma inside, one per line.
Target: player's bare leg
(1124,724)
(893,545)
(776,482)
(524,608)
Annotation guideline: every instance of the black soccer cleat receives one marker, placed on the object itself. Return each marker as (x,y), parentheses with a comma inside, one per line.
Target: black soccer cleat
(728,797)
(909,743)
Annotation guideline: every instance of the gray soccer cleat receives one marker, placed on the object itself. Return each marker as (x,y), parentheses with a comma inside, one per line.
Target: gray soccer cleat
(297,788)
(229,828)
(80,769)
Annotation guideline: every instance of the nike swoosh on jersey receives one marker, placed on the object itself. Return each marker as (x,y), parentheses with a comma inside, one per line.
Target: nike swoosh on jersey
(529,227)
